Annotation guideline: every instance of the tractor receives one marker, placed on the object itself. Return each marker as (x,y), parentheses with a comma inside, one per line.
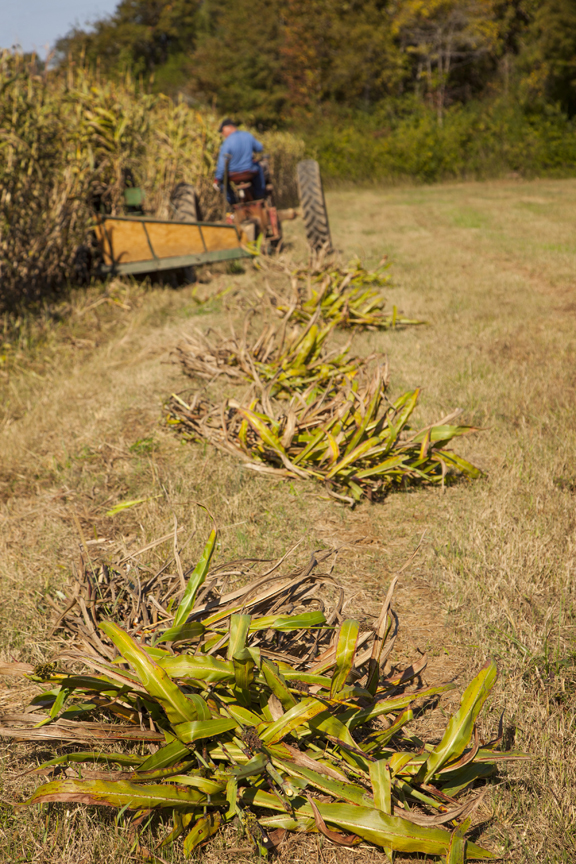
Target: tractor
(136,243)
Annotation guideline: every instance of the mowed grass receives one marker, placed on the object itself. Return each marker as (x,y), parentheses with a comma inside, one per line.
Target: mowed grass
(491,268)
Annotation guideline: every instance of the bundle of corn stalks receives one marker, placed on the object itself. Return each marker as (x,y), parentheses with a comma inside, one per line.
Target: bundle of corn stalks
(347,296)
(259,704)
(285,361)
(350,437)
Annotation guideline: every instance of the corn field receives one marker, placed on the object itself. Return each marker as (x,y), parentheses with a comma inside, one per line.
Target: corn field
(70,142)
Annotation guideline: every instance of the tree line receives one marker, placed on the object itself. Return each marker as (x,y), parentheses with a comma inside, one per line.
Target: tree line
(275,63)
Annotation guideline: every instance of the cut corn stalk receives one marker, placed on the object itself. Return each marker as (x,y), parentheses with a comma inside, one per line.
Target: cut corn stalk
(345,296)
(285,361)
(266,739)
(349,437)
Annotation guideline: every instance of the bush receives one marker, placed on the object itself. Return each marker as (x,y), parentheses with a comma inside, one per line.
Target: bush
(476,141)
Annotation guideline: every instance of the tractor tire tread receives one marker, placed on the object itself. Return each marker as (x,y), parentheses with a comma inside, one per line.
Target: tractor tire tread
(184,201)
(313,205)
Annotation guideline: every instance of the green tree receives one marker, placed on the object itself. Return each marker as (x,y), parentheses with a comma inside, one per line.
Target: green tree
(549,58)
(341,53)
(237,65)
(143,36)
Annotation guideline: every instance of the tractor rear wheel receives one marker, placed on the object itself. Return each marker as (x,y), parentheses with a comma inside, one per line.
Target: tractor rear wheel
(185,204)
(313,205)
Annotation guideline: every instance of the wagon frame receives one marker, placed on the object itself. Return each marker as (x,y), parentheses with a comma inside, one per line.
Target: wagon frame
(146,244)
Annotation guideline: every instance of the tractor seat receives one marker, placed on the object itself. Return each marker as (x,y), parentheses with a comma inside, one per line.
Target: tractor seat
(241,177)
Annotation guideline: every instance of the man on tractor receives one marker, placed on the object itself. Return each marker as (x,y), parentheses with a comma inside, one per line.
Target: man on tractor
(236,159)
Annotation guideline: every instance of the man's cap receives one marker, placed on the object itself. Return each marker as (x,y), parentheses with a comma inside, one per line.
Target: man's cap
(226,122)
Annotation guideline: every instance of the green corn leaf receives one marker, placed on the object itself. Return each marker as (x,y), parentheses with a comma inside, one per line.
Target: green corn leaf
(184,632)
(125,505)
(253,766)
(380,739)
(243,676)
(199,729)
(232,797)
(382,467)
(371,411)
(204,828)
(457,849)
(489,755)
(346,791)
(208,787)
(306,346)
(403,416)
(396,703)
(154,679)
(443,433)
(390,832)
(202,710)
(381,780)
(117,793)
(91,757)
(288,823)
(242,715)
(453,783)
(165,757)
(198,668)
(305,677)
(337,727)
(61,697)
(164,773)
(355,454)
(241,656)
(371,824)
(460,727)
(398,762)
(288,623)
(266,434)
(454,461)
(181,822)
(297,716)
(195,581)
(239,628)
(345,651)
(278,685)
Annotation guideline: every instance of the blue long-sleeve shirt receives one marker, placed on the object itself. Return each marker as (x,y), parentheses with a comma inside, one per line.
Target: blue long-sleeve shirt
(240,146)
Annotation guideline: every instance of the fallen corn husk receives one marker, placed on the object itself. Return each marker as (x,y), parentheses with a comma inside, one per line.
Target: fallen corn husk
(350,437)
(263,704)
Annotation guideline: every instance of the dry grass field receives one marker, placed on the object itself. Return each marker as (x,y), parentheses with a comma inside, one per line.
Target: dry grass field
(492,269)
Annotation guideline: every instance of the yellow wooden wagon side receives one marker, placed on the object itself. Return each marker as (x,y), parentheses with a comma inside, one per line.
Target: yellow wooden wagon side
(144,244)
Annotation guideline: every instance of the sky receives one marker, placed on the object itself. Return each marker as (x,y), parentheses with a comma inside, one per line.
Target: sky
(36,24)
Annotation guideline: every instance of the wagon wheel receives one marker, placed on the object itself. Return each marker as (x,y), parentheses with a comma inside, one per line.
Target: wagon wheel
(313,205)
(185,207)
(185,204)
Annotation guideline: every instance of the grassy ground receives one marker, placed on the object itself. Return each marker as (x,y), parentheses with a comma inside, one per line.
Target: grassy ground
(490,266)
